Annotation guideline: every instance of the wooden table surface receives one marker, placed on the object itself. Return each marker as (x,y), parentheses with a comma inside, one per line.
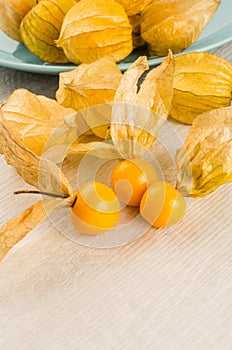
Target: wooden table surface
(168,290)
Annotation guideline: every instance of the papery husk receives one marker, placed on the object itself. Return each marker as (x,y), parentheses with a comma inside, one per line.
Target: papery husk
(100,150)
(17,228)
(41,27)
(26,126)
(89,85)
(64,139)
(39,123)
(42,174)
(205,161)
(31,118)
(99,119)
(42,171)
(134,7)
(138,115)
(135,22)
(156,90)
(203,81)
(11,14)
(174,24)
(92,30)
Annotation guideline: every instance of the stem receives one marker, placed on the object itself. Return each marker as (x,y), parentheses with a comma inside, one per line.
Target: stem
(56,195)
(176,186)
(74,201)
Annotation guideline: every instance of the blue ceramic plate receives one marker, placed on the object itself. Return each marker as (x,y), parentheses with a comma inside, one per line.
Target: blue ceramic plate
(218,32)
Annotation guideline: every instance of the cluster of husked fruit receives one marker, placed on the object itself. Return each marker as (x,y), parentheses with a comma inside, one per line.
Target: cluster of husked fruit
(61,31)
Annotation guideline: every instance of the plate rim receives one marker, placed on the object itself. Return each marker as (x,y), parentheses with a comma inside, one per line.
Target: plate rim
(212,41)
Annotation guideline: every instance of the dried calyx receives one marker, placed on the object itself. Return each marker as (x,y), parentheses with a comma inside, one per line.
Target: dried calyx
(205,161)
(48,15)
(11,14)
(89,84)
(203,81)
(175,24)
(138,115)
(92,30)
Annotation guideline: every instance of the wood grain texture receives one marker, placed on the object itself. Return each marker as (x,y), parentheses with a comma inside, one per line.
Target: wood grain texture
(168,290)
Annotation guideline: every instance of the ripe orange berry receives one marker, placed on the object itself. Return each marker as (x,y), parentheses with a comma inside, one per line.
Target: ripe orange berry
(162,205)
(131,178)
(96,209)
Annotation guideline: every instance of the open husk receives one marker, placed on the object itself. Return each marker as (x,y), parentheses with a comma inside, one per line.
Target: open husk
(32,125)
(41,27)
(174,24)
(44,174)
(203,81)
(40,173)
(205,161)
(26,125)
(139,114)
(92,30)
(27,121)
(11,14)
(32,118)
